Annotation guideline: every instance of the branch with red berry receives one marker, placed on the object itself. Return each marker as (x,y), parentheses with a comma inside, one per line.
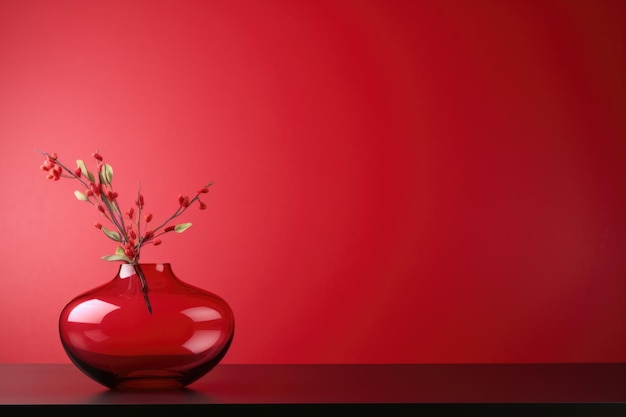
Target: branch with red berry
(131,228)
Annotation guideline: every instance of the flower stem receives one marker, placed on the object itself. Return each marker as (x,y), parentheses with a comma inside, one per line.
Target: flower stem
(144,287)
(180,210)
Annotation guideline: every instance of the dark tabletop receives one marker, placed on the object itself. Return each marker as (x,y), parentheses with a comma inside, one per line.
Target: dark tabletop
(594,387)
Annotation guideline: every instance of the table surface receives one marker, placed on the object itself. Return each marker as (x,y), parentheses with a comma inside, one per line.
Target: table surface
(333,384)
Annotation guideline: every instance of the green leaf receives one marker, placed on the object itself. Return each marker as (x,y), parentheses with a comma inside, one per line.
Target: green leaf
(106,174)
(112,208)
(120,251)
(112,234)
(81,196)
(113,258)
(83,169)
(182,227)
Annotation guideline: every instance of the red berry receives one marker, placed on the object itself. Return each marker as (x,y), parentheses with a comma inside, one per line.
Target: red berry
(95,188)
(183,200)
(130,252)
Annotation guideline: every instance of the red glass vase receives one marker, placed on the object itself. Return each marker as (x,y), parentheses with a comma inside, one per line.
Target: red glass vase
(146,329)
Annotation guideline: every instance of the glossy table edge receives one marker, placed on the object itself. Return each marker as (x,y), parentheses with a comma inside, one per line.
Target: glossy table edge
(599,388)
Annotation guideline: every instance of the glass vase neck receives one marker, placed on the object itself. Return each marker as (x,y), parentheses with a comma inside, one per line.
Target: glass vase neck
(127,270)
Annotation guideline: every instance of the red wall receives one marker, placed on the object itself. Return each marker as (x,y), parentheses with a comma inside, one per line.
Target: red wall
(395,181)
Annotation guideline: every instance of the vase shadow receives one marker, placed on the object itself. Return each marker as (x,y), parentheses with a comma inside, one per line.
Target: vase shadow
(177,396)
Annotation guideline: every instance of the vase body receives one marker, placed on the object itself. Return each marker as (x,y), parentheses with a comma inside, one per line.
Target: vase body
(162,335)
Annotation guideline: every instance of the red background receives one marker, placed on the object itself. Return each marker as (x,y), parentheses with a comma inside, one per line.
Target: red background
(395,181)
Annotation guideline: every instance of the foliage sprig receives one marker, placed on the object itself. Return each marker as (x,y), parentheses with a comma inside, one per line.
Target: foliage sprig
(130,229)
